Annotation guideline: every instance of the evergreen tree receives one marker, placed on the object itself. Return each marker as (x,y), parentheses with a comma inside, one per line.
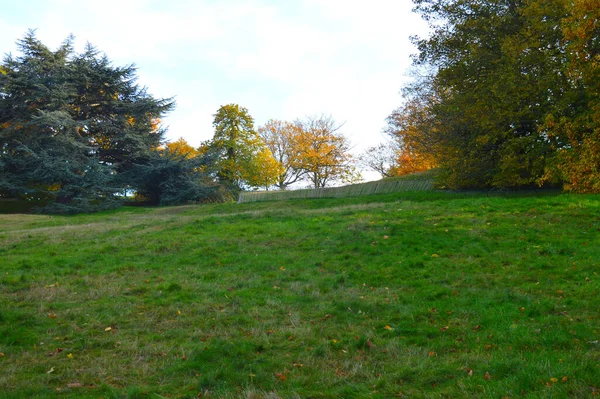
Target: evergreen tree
(70,125)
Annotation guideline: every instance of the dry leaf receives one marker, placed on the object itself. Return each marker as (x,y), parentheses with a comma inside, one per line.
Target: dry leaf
(487,376)
(108,329)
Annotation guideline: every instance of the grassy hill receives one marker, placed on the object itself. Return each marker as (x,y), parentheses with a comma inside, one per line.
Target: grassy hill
(420,295)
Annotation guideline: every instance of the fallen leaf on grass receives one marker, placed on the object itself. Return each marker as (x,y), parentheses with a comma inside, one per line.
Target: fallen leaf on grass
(487,376)
(388,328)
(108,329)
(50,371)
(435,256)
(281,376)
(70,356)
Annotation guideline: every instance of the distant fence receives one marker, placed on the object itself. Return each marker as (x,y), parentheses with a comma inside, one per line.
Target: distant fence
(354,190)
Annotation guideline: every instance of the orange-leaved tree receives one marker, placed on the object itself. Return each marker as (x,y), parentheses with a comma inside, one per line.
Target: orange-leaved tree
(182,148)
(410,127)
(323,152)
(281,138)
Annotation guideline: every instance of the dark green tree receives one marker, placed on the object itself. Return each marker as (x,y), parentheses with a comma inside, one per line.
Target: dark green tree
(168,177)
(70,125)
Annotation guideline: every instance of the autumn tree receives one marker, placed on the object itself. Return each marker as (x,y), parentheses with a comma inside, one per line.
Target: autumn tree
(323,152)
(281,137)
(263,170)
(381,158)
(241,158)
(182,148)
(494,68)
(411,129)
(573,124)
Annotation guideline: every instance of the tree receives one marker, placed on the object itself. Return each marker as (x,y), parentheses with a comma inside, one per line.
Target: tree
(495,68)
(170,177)
(238,150)
(263,170)
(412,129)
(381,158)
(181,147)
(71,125)
(280,138)
(323,152)
(573,125)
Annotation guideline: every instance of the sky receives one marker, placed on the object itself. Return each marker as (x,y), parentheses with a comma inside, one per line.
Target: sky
(280,59)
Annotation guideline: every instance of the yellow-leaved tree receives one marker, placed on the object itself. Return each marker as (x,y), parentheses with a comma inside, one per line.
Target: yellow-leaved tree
(281,138)
(262,170)
(323,152)
(182,148)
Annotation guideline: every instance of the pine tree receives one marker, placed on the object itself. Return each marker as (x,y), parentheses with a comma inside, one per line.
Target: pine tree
(70,125)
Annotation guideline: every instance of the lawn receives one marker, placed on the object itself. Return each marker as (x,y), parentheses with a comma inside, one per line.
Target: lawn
(416,295)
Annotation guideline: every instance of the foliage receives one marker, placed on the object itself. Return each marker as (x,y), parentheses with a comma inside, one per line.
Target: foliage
(182,148)
(70,125)
(423,295)
(323,152)
(281,139)
(501,89)
(238,150)
(574,124)
(263,170)
(169,177)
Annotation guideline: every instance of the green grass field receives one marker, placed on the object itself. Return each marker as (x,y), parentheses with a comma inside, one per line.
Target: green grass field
(416,295)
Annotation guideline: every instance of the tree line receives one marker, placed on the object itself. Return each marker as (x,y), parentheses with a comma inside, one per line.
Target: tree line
(506,94)
(78,134)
